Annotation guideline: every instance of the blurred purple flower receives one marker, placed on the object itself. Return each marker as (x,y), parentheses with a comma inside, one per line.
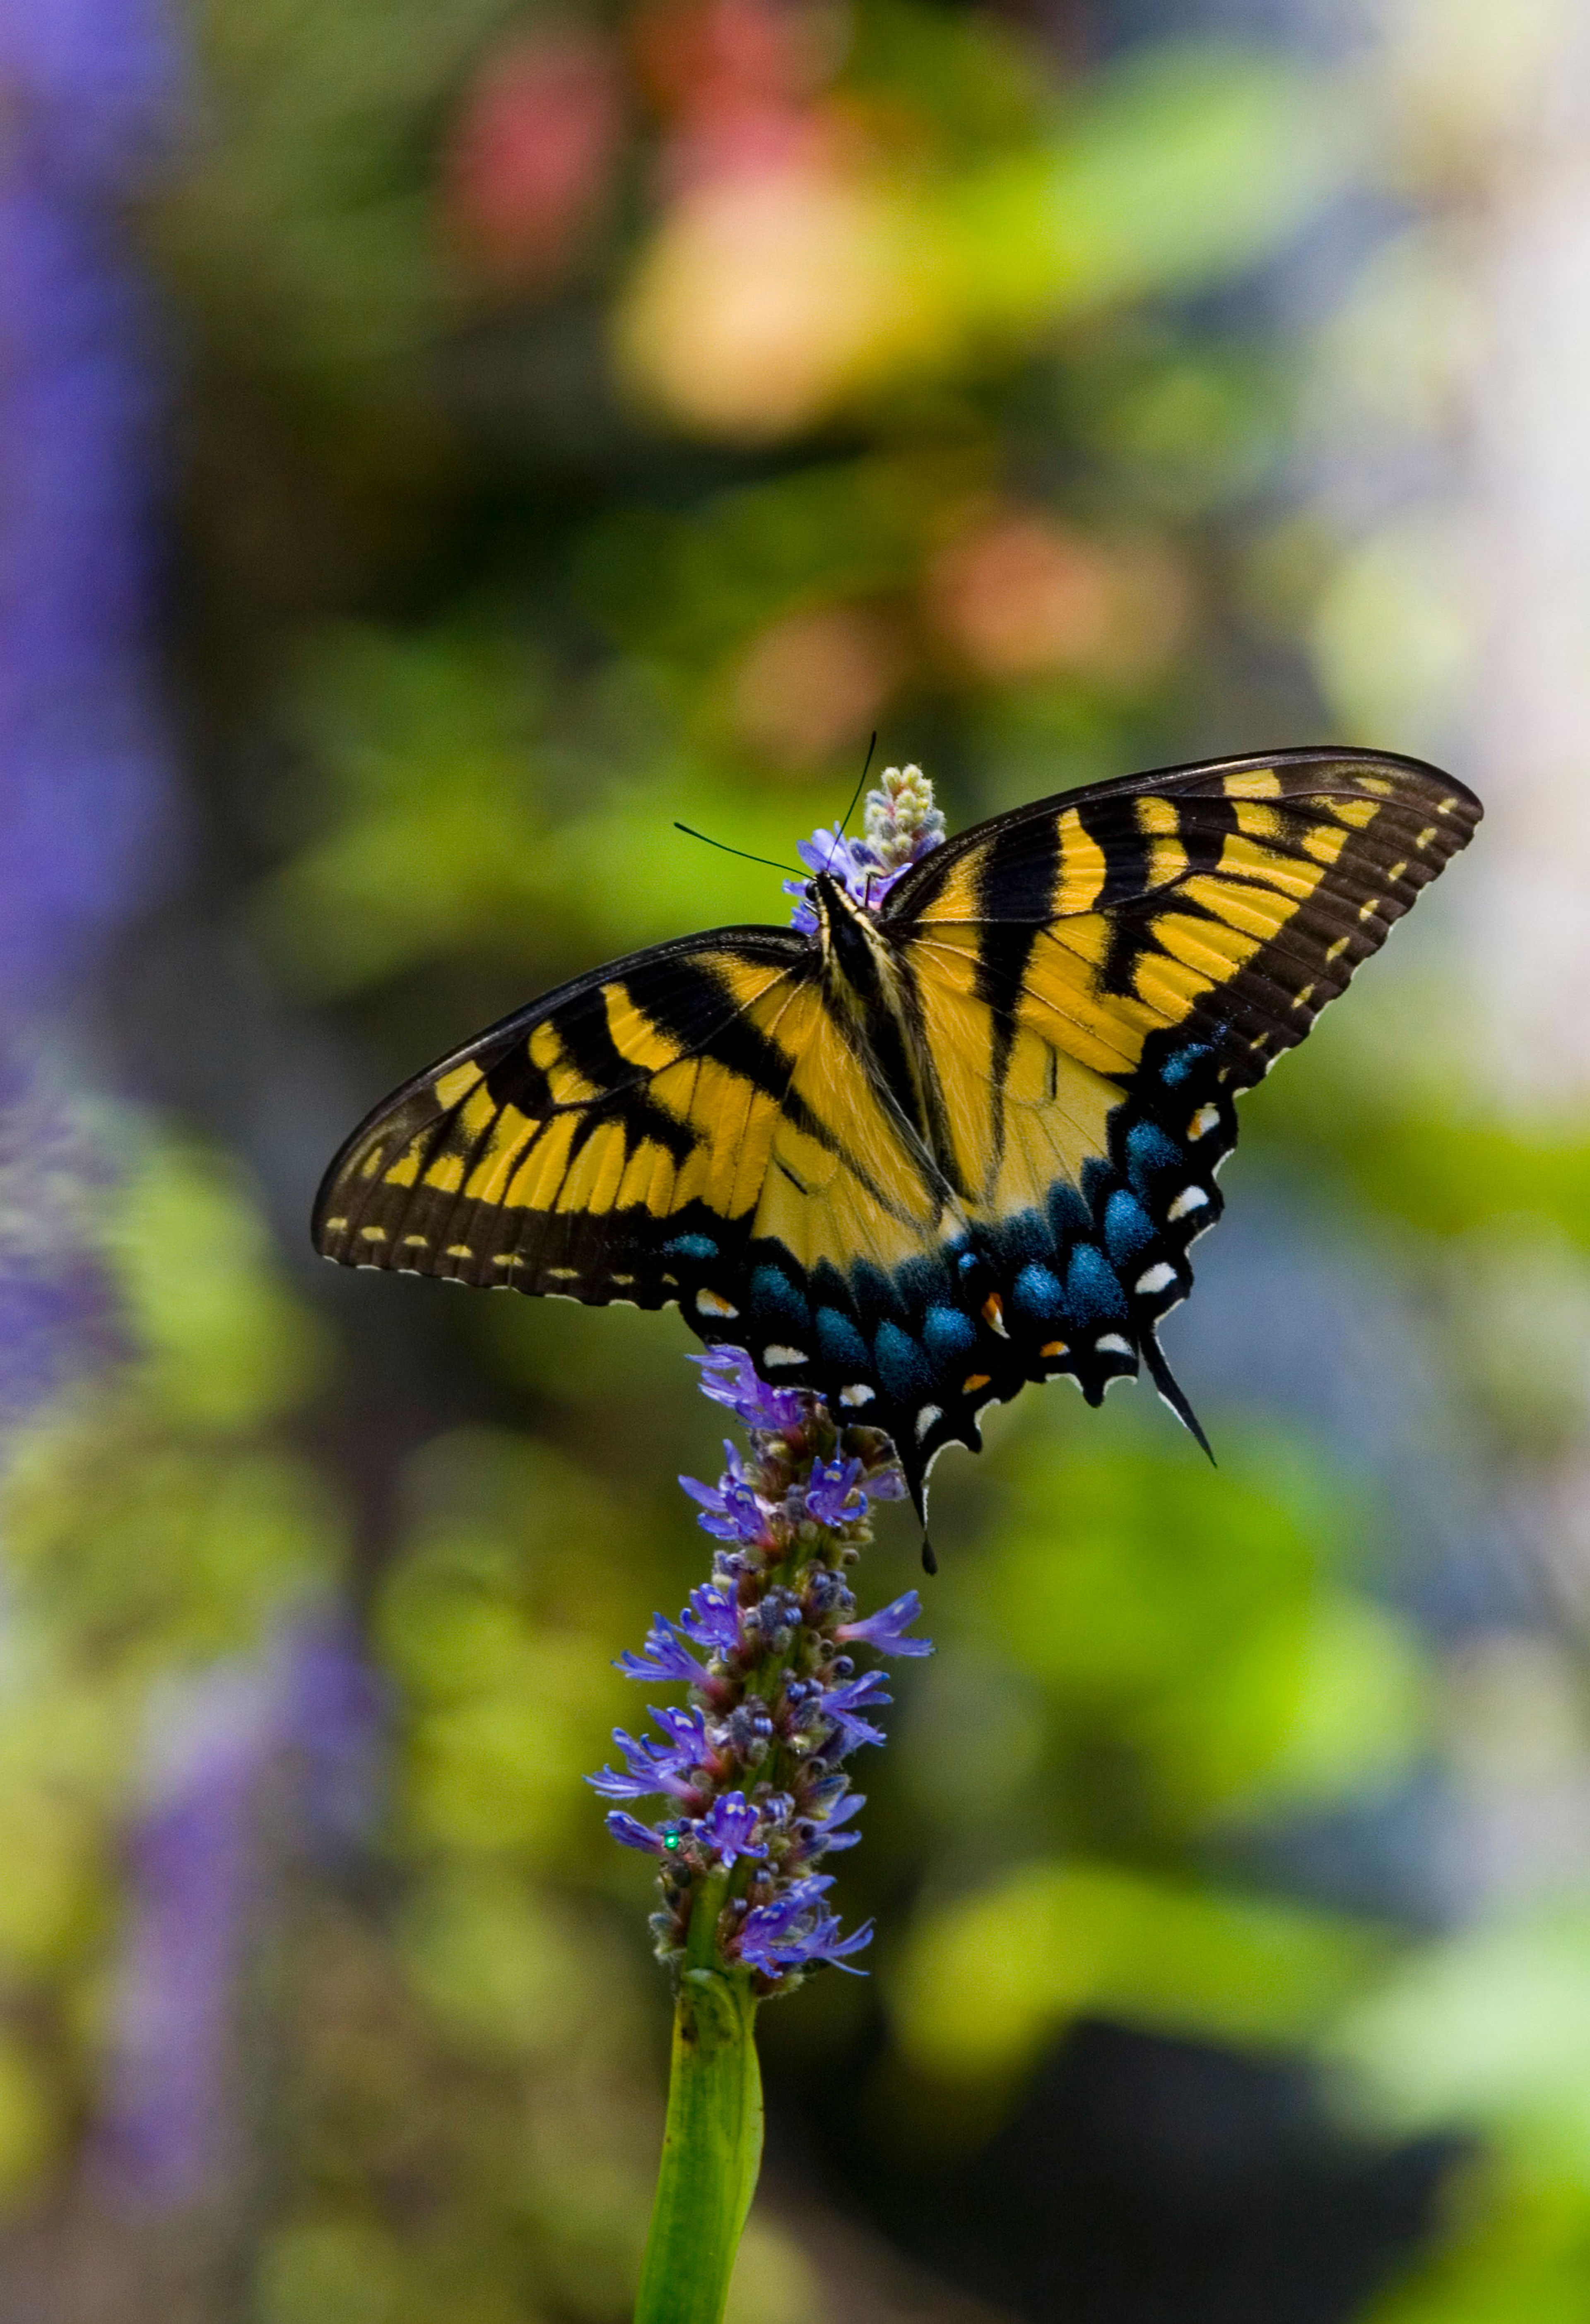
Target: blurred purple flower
(193,1881)
(56,1314)
(199,1879)
(87,92)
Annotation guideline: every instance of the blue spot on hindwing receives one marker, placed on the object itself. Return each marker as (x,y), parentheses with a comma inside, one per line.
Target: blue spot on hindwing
(1176,1068)
(1093,1290)
(1149,1151)
(901,1365)
(701,1247)
(841,1344)
(1068,1215)
(1127,1227)
(1038,1290)
(774,1296)
(947,1333)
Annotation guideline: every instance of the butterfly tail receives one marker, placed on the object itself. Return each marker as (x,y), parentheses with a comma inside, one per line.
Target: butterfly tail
(916,1470)
(1172,1393)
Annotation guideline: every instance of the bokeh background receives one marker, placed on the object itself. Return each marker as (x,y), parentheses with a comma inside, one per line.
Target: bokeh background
(441,444)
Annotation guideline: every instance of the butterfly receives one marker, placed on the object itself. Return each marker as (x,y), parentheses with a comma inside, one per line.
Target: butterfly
(930,1151)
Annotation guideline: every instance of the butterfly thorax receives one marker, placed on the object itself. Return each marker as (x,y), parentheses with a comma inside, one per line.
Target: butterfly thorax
(870,989)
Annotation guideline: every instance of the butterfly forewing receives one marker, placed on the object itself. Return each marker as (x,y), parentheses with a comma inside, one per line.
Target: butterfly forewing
(1098,975)
(566,1151)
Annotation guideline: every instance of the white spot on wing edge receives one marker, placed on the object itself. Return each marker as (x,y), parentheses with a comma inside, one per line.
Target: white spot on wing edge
(1190,1198)
(713,1303)
(1155,1279)
(927,1419)
(1112,1344)
(856,1393)
(778,1355)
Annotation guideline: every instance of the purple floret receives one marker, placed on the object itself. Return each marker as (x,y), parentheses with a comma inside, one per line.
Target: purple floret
(797,1930)
(630,1833)
(651,1767)
(711,1620)
(827,1839)
(728,1827)
(886,1630)
(664,1656)
(729,1378)
(833,1497)
(844,1705)
(731,1510)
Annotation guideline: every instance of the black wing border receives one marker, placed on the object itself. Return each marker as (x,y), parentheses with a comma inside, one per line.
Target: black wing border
(910,895)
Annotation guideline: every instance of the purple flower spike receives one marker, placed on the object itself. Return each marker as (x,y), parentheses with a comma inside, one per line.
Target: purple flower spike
(727,1828)
(902,826)
(886,1630)
(833,1497)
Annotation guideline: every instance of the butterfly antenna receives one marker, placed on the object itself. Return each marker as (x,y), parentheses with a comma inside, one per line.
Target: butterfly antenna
(1172,1393)
(860,780)
(690,833)
(839,829)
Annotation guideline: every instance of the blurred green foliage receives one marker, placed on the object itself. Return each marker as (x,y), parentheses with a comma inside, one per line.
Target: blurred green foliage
(513,551)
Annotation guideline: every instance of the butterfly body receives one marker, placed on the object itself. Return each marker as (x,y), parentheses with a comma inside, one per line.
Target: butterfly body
(928,1153)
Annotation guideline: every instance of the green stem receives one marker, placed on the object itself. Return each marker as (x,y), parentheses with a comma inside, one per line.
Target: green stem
(712,2141)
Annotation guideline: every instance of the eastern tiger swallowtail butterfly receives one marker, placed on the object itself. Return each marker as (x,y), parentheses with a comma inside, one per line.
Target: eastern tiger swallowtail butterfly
(929,1152)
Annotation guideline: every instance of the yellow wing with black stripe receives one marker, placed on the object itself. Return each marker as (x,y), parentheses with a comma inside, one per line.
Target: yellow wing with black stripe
(1097,976)
(693,1124)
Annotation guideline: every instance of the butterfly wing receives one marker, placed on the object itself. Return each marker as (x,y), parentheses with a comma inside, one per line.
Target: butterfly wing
(1097,976)
(605,1143)
(1089,982)
(695,1124)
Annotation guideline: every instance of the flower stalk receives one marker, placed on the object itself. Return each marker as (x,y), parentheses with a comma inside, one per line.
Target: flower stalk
(713,2139)
(751,1772)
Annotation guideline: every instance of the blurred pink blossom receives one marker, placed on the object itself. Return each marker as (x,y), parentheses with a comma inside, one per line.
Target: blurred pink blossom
(736,80)
(531,159)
